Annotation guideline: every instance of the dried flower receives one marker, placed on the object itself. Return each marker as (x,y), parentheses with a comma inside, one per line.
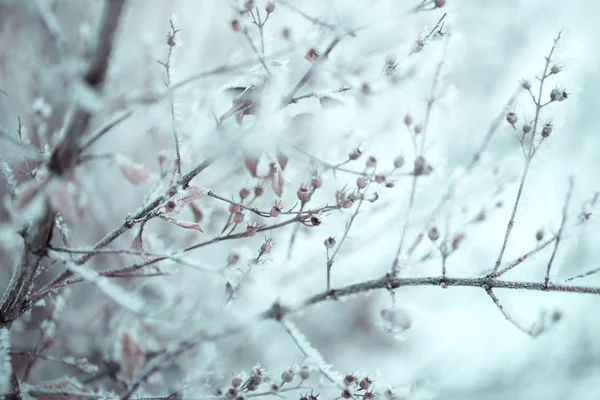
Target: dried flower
(555,69)
(236,382)
(315,221)
(365,383)
(526,128)
(346,394)
(349,380)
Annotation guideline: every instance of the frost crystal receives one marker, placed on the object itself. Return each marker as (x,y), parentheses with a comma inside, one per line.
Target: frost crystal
(5,366)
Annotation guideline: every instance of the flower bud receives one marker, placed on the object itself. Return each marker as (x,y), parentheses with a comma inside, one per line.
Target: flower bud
(511,117)
(379,178)
(371,162)
(526,85)
(355,154)
(235,25)
(526,128)
(238,217)
(408,119)
(275,210)
(234,208)
(258,191)
(418,129)
(361,182)
(287,376)
(433,234)
(365,383)
(236,382)
(546,130)
(303,194)
(399,162)
(329,242)
(244,193)
(316,181)
(349,380)
(439,3)
(539,235)
(270,7)
(555,69)
(304,373)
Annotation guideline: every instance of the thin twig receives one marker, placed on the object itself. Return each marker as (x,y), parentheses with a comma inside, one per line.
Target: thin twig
(560,230)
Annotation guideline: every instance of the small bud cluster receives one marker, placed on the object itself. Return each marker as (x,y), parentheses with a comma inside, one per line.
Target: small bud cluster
(357,387)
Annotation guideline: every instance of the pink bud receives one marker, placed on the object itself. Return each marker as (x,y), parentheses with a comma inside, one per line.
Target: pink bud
(347,203)
(234,208)
(371,162)
(303,194)
(238,217)
(355,154)
(244,193)
(275,210)
(439,3)
(258,191)
(235,25)
(270,7)
(316,181)
(361,182)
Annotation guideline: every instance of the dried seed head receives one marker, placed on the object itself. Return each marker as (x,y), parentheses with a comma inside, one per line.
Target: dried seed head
(365,383)
(315,221)
(270,7)
(399,162)
(329,242)
(457,240)
(511,117)
(287,376)
(251,229)
(361,182)
(555,69)
(369,395)
(303,194)
(433,234)
(355,154)
(547,130)
(556,95)
(346,394)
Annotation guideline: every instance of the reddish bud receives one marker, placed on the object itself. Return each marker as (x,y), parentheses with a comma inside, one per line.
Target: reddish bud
(235,25)
(270,7)
(539,235)
(398,162)
(304,373)
(274,388)
(249,5)
(267,246)
(369,395)
(236,382)
(276,210)
(315,221)
(371,162)
(346,394)
(365,383)
(457,240)
(316,181)
(546,130)
(348,203)
(311,55)
(349,380)
(234,208)
(251,229)
(379,178)
(303,194)
(433,234)
(287,376)
(361,182)
(329,242)
(439,3)
(355,154)
(258,191)
(232,393)
(418,129)
(244,193)
(238,217)
(232,259)
(408,119)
